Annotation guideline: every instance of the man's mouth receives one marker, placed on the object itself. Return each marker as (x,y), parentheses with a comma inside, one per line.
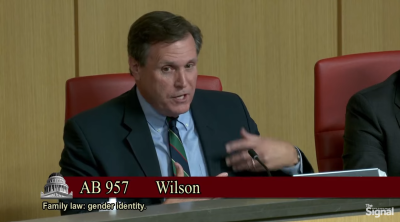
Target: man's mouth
(180,97)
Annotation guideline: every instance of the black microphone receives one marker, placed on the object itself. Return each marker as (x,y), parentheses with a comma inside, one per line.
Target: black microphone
(254,156)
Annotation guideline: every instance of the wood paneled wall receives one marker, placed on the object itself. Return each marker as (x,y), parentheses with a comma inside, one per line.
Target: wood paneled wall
(370,25)
(263,50)
(36,58)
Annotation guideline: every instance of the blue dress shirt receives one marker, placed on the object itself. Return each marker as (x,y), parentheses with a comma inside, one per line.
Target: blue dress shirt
(190,139)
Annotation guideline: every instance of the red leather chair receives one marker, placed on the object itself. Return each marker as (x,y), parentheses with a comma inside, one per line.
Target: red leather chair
(336,80)
(83,93)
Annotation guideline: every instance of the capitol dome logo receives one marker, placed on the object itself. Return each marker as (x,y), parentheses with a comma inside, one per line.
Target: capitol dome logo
(56,188)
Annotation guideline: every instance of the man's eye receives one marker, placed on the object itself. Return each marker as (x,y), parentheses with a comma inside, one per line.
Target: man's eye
(166,69)
(188,66)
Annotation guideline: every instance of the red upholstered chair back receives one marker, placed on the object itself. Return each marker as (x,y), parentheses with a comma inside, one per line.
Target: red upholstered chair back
(336,80)
(83,93)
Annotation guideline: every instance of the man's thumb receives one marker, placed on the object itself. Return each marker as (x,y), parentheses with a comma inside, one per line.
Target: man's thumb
(179,170)
(222,175)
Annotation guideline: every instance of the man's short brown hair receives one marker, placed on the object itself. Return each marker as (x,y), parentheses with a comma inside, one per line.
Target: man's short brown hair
(159,26)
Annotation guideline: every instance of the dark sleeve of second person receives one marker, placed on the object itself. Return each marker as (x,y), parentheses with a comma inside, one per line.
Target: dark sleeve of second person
(363,137)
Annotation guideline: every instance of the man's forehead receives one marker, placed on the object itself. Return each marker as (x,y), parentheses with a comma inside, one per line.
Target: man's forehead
(182,55)
(172,61)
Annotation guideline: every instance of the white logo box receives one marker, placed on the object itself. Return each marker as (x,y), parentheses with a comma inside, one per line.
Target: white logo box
(373,172)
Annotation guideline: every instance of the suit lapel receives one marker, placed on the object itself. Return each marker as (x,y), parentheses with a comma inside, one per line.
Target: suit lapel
(139,138)
(397,98)
(212,144)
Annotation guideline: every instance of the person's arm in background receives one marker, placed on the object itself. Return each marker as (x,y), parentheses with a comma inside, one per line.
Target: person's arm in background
(363,137)
(77,160)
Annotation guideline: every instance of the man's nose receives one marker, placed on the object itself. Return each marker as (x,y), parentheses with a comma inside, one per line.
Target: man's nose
(180,79)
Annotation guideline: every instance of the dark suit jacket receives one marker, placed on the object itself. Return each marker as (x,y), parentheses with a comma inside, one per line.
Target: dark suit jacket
(372,132)
(114,139)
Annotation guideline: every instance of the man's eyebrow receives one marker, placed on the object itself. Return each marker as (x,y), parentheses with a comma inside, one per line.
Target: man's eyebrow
(193,60)
(169,63)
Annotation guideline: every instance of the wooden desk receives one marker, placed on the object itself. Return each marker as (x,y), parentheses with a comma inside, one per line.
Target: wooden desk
(316,210)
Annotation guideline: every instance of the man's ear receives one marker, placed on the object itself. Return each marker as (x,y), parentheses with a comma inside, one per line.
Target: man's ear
(134,68)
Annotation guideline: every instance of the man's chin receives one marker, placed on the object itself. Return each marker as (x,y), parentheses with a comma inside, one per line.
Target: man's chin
(176,111)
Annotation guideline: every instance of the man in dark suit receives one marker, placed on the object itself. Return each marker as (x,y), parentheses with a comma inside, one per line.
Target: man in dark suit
(164,126)
(372,132)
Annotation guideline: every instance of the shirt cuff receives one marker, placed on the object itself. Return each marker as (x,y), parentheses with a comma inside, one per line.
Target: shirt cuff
(296,169)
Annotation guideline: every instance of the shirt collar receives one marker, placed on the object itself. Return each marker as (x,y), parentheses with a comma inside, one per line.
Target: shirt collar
(156,120)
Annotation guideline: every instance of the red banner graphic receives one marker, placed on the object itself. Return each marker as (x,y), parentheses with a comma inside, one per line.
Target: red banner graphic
(234,187)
